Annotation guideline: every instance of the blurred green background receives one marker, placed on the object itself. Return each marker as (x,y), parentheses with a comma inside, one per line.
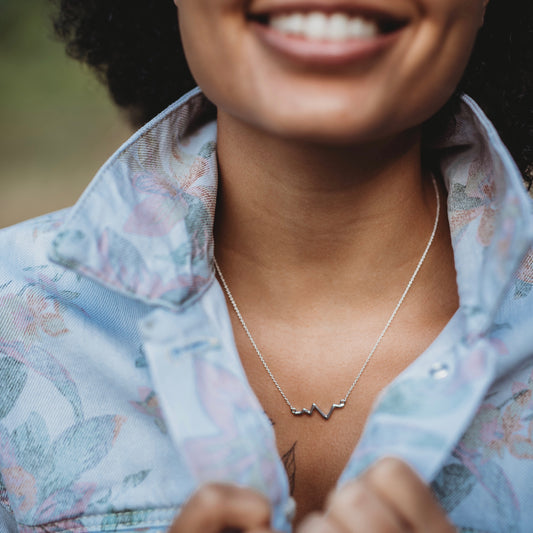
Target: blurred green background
(57,123)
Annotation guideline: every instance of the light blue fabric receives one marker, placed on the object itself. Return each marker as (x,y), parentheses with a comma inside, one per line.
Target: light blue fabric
(122,389)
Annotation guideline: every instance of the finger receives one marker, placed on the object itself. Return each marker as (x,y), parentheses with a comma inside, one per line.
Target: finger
(217,507)
(357,508)
(260,530)
(318,523)
(255,530)
(408,496)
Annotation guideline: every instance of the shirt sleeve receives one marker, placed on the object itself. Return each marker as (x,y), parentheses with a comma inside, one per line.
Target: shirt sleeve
(7,520)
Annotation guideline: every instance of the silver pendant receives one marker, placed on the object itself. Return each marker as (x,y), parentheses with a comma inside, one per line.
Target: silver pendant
(315,407)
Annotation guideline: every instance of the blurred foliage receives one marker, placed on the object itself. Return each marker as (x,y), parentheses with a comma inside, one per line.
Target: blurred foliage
(57,123)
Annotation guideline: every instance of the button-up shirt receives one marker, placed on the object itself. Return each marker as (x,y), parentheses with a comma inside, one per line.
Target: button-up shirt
(122,390)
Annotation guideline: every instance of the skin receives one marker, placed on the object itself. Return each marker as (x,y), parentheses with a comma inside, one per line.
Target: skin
(218,507)
(324,209)
(346,105)
(388,497)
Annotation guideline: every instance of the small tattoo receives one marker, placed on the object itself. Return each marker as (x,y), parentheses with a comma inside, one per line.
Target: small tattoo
(289,460)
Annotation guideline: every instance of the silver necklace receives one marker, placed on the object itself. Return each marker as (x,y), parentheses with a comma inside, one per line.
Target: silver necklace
(342,402)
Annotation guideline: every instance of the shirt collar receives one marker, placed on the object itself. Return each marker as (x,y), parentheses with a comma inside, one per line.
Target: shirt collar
(144,225)
(489,213)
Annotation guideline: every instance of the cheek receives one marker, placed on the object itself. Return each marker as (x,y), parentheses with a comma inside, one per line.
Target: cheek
(210,33)
(456,30)
(403,91)
(438,57)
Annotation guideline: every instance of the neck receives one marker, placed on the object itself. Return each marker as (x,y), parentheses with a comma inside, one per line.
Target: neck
(304,212)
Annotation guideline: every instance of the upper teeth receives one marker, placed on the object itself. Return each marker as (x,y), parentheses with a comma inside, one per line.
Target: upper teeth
(320,26)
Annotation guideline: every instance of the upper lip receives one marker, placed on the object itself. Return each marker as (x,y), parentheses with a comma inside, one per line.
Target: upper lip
(375,9)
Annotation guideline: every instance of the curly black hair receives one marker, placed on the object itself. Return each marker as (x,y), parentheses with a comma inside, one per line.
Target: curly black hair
(134,46)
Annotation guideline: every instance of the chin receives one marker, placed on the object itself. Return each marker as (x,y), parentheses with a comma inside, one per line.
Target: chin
(328,129)
(324,115)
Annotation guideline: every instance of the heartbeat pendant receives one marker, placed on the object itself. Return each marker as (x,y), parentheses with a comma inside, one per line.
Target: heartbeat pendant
(315,407)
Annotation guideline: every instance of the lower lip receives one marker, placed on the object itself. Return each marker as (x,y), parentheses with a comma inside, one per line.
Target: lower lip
(323,53)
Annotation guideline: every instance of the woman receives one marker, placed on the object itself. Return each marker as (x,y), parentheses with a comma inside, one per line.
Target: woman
(347,335)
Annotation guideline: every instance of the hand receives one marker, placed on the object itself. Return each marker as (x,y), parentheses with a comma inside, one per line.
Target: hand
(388,498)
(218,508)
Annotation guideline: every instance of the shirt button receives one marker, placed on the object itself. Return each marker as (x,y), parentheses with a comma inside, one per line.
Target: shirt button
(290,509)
(439,371)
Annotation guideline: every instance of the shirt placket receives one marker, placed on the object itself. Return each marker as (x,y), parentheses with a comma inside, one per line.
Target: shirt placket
(213,417)
(422,414)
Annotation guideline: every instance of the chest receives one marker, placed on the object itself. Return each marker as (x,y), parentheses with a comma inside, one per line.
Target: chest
(315,450)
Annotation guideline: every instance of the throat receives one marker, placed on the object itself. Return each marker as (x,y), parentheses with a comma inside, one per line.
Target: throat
(322,211)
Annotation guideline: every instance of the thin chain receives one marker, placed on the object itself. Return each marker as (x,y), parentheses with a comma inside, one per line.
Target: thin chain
(376,344)
(247,331)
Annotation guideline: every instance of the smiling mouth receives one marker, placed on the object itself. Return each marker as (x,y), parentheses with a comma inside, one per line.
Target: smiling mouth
(329,27)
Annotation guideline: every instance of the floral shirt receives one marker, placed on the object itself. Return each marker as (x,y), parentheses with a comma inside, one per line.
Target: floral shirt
(121,386)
